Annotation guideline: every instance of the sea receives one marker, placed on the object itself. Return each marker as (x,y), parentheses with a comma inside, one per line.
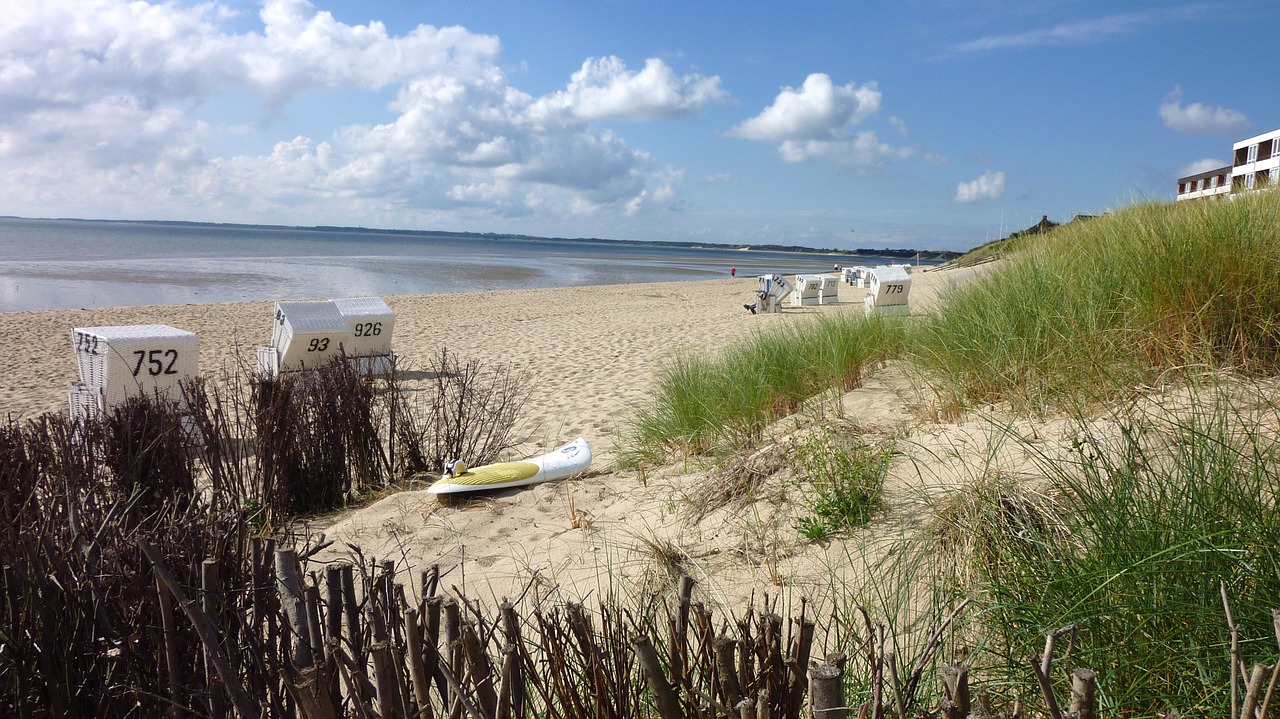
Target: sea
(69,264)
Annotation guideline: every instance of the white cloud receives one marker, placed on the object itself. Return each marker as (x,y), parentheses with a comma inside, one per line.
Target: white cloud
(1198,119)
(863,149)
(1199,166)
(605,89)
(989,186)
(816,120)
(1081,32)
(818,110)
(101,104)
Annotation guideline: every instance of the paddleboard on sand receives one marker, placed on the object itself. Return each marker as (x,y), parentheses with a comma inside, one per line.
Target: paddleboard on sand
(566,461)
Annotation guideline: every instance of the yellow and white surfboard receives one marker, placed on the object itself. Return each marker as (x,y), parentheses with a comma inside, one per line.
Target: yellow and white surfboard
(573,458)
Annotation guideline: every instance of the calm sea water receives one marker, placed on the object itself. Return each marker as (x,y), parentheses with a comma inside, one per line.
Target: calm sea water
(66,264)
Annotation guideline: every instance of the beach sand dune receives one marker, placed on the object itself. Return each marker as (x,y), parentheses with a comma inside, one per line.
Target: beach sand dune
(591,353)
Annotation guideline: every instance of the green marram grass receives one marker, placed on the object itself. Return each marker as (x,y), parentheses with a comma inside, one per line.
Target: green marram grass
(704,405)
(1151,522)
(1109,303)
(1131,536)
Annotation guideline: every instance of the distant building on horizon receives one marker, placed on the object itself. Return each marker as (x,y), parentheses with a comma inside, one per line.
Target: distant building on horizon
(1255,165)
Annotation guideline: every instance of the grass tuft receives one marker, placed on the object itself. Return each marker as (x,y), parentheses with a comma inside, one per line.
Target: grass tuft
(718,405)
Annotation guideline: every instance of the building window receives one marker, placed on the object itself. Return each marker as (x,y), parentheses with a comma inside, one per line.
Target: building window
(1248,181)
(1275,146)
(1253,154)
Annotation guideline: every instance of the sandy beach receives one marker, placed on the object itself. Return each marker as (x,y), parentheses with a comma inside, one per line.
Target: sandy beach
(591,352)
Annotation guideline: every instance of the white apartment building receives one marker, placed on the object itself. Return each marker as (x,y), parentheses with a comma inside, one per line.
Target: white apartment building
(1205,184)
(1255,164)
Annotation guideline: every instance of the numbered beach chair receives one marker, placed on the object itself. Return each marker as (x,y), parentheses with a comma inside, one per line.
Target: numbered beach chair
(119,362)
(770,292)
(856,276)
(829,290)
(304,335)
(807,290)
(890,286)
(370,321)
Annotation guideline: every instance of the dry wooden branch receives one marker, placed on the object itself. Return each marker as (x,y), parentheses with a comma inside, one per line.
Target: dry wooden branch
(1236,662)
(898,702)
(1253,691)
(205,629)
(168,639)
(1042,666)
(209,597)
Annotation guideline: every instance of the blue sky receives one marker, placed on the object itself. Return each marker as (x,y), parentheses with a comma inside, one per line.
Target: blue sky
(921,123)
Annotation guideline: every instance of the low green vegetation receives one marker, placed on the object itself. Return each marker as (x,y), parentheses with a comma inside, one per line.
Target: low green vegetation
(841,478)
(1151,526)
(1098,306)
(714,406)
(1138,535)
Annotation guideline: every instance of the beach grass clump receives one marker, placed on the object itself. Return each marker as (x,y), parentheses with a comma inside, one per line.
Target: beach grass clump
(1158,521)
(841,478)
(1112,302)
(712,405)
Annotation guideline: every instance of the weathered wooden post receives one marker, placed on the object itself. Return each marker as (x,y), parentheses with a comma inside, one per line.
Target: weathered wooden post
(209,599)
(826,692)
(417,666)
(663,694)
(727,668)
(479,670)
(289,588)
(955,684)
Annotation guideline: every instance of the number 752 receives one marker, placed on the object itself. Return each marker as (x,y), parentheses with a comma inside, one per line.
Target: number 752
(155,361)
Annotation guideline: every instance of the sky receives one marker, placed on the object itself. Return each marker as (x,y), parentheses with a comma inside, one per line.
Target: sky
(927,124)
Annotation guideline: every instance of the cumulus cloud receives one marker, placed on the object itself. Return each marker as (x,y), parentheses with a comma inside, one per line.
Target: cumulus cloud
(818,110)
(816,120)
(989,186)
(604,88)
(1198,119)
(1199,166)
(102,111)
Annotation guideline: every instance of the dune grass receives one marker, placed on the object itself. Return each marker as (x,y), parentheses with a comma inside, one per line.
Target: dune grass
(1132,536)
(713,405)
(1113,302)
(1079,314)
(1150,520)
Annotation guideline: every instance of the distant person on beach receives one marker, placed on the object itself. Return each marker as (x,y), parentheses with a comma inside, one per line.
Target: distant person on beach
(733,271)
